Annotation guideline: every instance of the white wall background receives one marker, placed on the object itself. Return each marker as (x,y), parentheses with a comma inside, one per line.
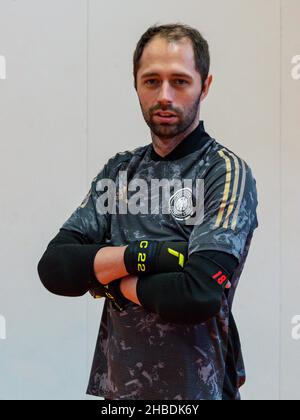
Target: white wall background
(67,104)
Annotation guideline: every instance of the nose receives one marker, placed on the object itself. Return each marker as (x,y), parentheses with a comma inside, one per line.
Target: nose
(165,95)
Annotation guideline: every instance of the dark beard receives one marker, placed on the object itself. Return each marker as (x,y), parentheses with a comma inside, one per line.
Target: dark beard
(167,131)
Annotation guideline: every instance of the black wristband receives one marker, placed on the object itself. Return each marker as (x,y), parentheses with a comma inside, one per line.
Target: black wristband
(172,257)
(145,257)
(112,292)
(118,299)
(140,257)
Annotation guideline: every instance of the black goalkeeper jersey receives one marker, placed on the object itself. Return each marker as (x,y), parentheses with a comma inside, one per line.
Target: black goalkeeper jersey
(138,355)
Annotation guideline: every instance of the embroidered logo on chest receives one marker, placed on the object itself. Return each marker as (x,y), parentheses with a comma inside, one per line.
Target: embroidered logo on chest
(181,204)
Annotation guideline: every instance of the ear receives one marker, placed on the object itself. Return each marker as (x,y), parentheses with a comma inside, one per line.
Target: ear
(206,87)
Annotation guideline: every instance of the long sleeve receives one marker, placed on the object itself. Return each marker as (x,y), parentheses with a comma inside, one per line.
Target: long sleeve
(192,296)
(67,266)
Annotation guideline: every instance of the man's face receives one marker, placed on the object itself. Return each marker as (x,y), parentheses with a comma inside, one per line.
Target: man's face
(168,81)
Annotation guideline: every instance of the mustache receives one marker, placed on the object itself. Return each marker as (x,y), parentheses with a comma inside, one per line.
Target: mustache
(164,109)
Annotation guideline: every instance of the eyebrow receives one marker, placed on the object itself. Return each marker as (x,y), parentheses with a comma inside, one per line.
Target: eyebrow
(151,74)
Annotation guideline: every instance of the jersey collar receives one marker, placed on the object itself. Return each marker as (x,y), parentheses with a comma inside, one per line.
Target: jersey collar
(193,142)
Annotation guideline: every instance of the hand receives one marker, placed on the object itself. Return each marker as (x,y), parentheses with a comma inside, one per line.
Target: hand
(112,292)
(128,288)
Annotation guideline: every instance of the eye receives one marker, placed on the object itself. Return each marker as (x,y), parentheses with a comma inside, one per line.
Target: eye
(149,82)
(154,82)
(181,82)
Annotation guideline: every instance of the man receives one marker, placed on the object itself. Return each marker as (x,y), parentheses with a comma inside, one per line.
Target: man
(169,277)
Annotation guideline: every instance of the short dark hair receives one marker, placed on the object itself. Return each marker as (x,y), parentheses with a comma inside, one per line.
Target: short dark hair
(175,32)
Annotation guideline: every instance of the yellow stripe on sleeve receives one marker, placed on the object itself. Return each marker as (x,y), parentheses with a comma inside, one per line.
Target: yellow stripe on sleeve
(234,190)
(226,188)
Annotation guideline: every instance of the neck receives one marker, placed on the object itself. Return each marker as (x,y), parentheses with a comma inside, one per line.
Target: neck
(165,146)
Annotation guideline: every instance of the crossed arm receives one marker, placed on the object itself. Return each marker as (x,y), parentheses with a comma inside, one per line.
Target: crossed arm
(191,296)
(71,262)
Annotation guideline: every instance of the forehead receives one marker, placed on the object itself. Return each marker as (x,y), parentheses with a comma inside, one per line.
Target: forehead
(160,54)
